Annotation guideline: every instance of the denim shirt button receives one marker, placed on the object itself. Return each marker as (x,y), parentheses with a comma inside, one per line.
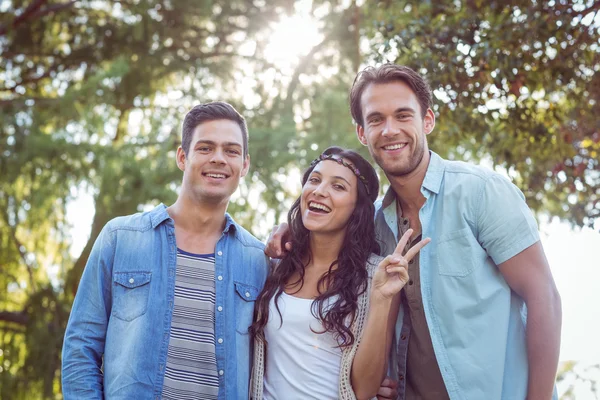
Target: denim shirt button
(220,340)
(221,372)
(219,308)
(247,294)
(220,253)
(220,277)
(131,280)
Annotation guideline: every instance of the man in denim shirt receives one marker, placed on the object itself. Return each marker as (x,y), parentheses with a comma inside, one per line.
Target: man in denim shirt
(481,315)
(167,296)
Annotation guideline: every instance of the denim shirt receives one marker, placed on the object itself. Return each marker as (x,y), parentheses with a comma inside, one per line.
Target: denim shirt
(118,332)
(476,219)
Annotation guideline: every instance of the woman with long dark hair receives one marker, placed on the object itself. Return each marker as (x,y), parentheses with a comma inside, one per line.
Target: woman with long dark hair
(324,321)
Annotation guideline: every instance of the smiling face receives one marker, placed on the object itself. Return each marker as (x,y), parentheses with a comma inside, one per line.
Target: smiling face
(215,163)
(328,197)
(394,129)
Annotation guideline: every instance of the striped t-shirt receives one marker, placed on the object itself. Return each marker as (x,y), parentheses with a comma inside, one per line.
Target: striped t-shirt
(191,370)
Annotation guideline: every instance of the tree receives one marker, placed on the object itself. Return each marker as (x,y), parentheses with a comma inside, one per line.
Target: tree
(516,81)
(74,76)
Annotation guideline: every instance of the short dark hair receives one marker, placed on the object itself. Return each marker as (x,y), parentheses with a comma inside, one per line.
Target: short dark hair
(384,74)
(211,112)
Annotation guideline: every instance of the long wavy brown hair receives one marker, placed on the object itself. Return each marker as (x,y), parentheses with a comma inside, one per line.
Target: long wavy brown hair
(336,306)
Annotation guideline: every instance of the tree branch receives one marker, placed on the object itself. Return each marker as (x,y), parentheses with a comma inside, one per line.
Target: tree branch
(20,247)
(34,11)
(17,317)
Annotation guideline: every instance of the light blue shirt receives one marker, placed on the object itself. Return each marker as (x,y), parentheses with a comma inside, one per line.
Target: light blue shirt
(476,219)
(118,332)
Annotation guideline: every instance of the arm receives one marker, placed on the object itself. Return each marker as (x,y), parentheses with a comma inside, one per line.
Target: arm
(370,363)
(528,274)
(508,233)
(86,330)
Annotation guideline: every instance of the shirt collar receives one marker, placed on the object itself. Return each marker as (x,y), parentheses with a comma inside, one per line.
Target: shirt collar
(159,214)
(434,174)
(432,181)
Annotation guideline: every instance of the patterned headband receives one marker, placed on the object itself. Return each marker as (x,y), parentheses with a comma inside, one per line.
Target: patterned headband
(341,161)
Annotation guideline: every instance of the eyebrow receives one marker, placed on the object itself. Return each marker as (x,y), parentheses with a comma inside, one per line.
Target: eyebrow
(396,111)
(335,176)
(212,143)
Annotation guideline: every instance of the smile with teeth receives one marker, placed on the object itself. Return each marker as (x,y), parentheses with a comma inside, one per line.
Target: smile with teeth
(218,176)
(395,146)
(317,206)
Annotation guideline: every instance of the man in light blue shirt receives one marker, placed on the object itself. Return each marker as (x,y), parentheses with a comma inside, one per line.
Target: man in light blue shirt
(167,296)
(481,316)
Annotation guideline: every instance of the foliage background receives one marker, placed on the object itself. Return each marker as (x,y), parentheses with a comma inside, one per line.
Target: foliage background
(93,92)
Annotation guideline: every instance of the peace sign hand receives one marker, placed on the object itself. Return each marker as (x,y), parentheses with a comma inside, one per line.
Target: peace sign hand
(392,273)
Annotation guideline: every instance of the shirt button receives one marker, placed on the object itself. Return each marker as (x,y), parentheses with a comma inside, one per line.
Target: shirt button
(220,308)
(401,378)
(411,261)
(247,294)
(221,372)
(403,337)
(220,340)
(405,222)
(131,280)
(410,282)
(220,277)
(220,253)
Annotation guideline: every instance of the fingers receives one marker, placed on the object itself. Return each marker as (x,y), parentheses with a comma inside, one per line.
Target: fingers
(387,390)
(399,269)
(277,244)
(416,248)
(412,252)
(403,241)
(391,259)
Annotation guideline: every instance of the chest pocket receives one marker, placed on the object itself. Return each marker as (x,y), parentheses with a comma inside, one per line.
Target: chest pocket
(454,253)
(130,294)
(244,301)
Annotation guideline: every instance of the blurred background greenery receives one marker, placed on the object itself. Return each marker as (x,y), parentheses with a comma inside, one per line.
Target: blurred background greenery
(93,93)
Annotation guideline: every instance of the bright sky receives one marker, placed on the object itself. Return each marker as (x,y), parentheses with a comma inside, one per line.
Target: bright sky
(572,254)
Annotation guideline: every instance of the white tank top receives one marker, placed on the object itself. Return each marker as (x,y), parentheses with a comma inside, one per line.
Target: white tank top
(300,364)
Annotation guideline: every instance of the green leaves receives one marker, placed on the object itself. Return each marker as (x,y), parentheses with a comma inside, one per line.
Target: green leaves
(515,82)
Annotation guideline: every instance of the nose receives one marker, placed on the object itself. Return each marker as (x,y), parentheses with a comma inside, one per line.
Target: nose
(218,157)
(320,190)
(391,127)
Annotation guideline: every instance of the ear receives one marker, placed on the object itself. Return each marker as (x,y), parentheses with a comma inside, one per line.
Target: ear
(360,132)
(181,158)
(246,166)
(429,121)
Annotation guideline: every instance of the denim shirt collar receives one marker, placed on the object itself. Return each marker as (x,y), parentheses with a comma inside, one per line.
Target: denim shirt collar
(159,214)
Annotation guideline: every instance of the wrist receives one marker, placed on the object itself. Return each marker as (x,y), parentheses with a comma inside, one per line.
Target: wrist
(380,300)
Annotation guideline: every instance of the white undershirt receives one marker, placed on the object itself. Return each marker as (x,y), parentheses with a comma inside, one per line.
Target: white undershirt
(300,364)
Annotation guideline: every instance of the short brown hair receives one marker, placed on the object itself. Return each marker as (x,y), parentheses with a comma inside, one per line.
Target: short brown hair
(384,74)
(212,112)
